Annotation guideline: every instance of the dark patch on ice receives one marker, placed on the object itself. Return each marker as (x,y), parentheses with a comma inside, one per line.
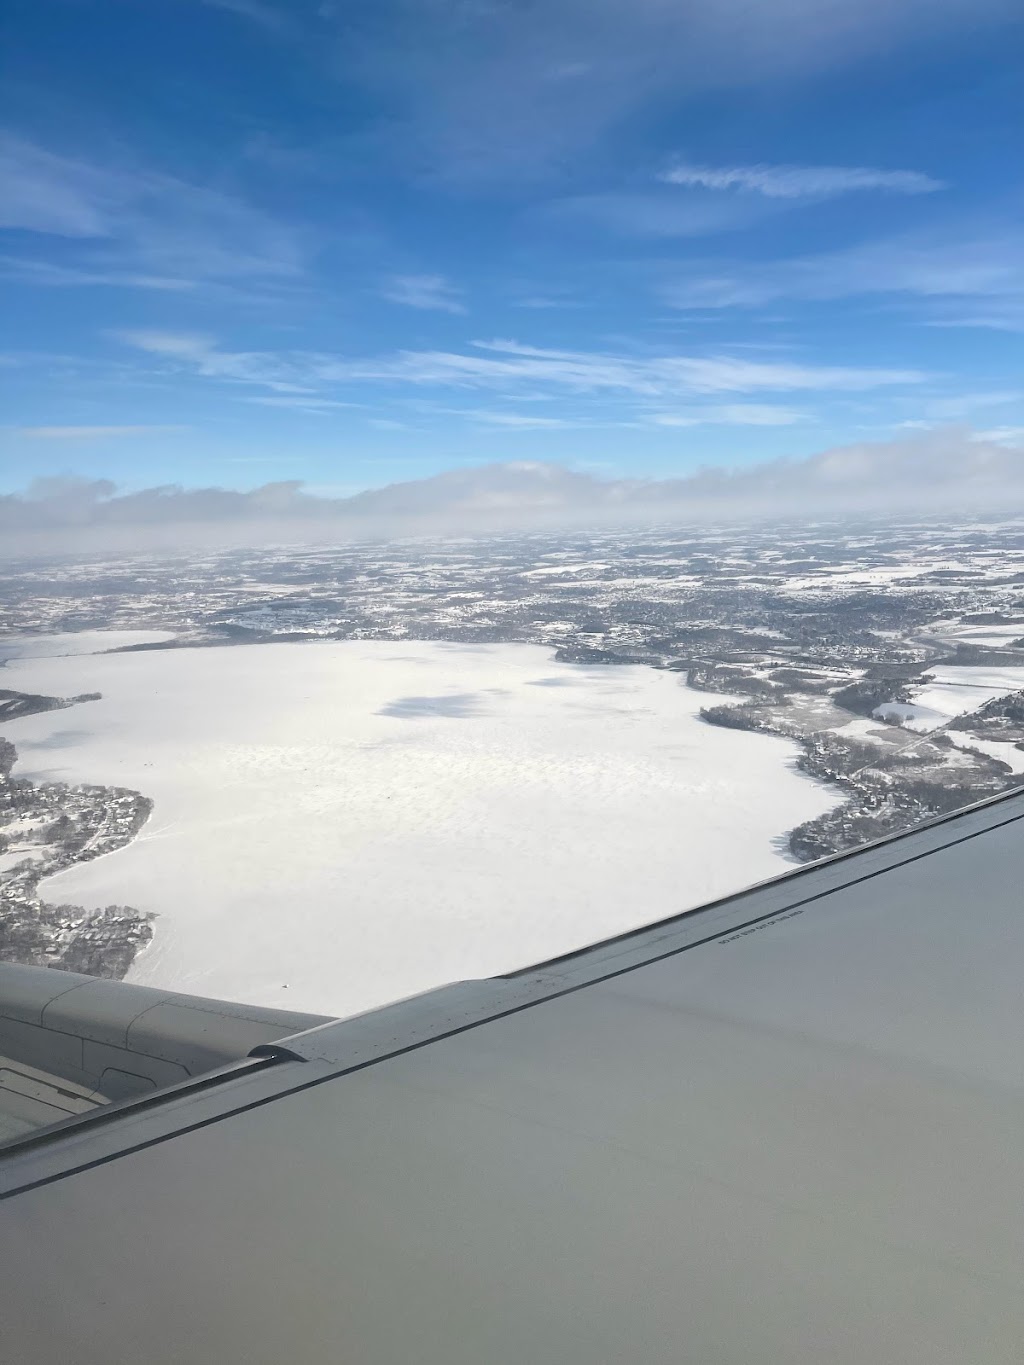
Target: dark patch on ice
(456,705)
(549,682)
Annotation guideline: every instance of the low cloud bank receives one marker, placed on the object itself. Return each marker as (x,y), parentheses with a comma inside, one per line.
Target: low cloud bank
(937,470)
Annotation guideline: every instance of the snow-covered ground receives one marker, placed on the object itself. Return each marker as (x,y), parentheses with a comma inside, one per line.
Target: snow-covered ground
(954,691)
(995,636)
(861,728)
(1006,752)
(857,576)
(341,824)
(11,860)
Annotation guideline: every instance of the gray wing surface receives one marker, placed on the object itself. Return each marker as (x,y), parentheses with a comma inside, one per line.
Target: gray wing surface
(787,1127)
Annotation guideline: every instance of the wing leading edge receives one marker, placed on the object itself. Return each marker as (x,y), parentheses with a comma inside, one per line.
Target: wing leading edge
(789,1127)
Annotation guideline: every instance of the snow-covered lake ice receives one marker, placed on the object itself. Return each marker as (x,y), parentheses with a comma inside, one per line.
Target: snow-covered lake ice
(44,646)
(341,824)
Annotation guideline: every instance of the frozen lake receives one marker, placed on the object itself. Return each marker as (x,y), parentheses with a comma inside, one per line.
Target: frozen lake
(342,824)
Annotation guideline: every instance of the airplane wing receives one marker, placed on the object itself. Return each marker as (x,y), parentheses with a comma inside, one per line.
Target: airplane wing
(787,1127)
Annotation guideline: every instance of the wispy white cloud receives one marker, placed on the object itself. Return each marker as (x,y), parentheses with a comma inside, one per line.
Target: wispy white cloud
(432,292)
(281,373)
(178,345)
(660,374)
(300,403)
(509,368)
(953,407)
(527,421)
(501,91)
(802,182)
(27,270)
(993,313)
(1010,436)
(977,276)
(501,363)
(732,414)
(134,227)
(41,192)
(70,433)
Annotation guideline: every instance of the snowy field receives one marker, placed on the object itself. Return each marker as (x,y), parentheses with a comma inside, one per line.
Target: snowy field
(996,636)
(954,691)
(341,824)
(1006,753)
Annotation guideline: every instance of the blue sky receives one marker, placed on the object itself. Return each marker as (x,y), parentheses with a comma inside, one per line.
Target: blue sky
(356,242)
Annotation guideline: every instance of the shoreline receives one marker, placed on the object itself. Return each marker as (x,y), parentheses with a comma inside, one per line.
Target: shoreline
(618,771)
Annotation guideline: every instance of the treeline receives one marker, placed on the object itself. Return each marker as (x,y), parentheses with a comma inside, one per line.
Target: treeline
(735,717)
(729,678)
(865,696)
(16,704)
(1009,709)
